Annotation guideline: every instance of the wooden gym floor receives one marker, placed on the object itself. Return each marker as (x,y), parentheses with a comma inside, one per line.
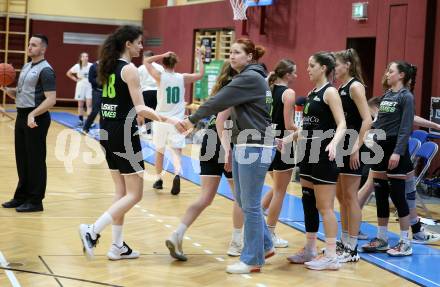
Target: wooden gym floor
(44,249)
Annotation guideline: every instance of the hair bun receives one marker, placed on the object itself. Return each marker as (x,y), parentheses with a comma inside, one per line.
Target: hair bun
(259,52)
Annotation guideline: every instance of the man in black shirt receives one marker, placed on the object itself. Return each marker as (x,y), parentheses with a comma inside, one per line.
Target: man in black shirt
(34,95)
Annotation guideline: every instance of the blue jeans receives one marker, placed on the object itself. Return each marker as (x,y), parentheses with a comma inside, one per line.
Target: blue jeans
(249,168)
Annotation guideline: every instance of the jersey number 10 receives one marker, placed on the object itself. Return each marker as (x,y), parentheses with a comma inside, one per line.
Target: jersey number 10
(173,95)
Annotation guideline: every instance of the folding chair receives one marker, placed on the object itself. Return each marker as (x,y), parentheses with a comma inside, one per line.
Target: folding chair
(421,135)
(424,156)
(413,146)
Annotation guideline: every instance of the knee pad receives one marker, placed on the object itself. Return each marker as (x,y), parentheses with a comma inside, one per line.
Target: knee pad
(382,192)
(398,197)
(311,214)
(410,192)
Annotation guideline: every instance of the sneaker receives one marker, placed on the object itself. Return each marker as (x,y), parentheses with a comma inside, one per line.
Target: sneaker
(124,252)
(424,237)
(175,190)
(268,254)
(235,248)
(339,248)
(376,245)
(158,184)
(349,255)
(242,268)
(403,248)
(362,236)
(85,232)
(278,242)
(323,262)
(174,245)
(80,123)
(302,256)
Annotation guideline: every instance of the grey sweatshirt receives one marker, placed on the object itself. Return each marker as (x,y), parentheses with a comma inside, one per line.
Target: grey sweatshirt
(250,98)
(396,117)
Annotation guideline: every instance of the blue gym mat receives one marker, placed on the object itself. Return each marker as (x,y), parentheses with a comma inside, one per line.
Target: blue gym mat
(421,268)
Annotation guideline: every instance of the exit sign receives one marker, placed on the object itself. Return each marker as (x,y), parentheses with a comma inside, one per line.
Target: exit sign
(359,11)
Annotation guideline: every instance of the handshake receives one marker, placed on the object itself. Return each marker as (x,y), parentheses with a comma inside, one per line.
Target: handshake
(183,126)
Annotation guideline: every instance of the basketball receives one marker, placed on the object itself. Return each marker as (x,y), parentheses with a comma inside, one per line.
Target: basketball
(7,74)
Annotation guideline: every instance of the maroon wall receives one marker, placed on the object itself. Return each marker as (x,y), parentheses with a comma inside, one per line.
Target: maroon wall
(297,29)
(176,25)
(63,56)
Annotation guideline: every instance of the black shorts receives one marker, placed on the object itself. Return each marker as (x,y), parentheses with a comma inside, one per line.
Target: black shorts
(213,168)
(281,162)
(131,160)
(150,98)
(405,165)
(322,172)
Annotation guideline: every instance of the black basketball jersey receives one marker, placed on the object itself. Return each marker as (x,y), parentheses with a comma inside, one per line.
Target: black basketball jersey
(317,114)
(116,101)
(278,109)
(351,112)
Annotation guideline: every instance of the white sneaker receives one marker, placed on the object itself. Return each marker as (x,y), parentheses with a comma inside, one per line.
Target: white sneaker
(242,268)
(278,242)
(124,252)
(174,245)
(323,262)
(402,248)
(85,233)
(302,256)
(235,248)
(425,237)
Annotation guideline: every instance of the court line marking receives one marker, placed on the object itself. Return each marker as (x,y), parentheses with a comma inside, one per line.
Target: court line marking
(9,273)
(404,270)
(58,276)
(50,271)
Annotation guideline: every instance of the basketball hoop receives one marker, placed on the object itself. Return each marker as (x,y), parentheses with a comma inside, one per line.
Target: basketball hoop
(239,8)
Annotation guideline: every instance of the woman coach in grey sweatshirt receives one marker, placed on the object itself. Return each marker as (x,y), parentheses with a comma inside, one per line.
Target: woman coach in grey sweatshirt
(250,99)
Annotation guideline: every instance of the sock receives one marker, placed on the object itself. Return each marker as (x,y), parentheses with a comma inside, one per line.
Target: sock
(311,241)
(404,235)
(181,230)
(81,118)
(416,227)
(237,235)
(382,232)
(271,228)
(344,236)
(101,223)
(352,242)
(117,235)
(330,247)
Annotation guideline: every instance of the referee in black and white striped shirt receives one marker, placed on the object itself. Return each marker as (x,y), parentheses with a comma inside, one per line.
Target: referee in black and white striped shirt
(34,95)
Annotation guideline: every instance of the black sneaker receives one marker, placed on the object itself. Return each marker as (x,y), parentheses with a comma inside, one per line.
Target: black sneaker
(87,241)
(349,255)
(175,190)
(158,184)
(13,203)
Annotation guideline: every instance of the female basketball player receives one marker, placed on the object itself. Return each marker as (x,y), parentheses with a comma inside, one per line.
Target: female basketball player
(83,90)
(323,114)
(171,103)
(121,101)
(282,166)
(357,116)
(395,118)
(249,97)
(211,170)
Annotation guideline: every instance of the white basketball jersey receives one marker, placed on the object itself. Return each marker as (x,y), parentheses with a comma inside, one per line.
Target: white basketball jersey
(170,97)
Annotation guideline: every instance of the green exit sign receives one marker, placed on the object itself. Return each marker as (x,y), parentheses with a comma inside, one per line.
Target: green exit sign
(359,11)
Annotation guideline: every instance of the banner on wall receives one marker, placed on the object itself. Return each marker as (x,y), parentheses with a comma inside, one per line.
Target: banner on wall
(202,88)
(435,114)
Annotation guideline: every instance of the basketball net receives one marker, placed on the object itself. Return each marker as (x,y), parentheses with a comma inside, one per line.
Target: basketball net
(239,8)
